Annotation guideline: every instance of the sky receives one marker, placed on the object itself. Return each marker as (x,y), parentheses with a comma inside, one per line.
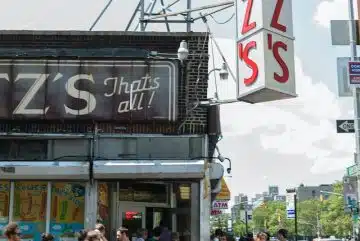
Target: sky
(281,143)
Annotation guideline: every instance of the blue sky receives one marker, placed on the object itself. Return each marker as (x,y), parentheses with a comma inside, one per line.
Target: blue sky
(282,143)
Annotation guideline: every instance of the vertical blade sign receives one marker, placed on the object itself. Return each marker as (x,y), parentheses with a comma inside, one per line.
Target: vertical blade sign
(265,23)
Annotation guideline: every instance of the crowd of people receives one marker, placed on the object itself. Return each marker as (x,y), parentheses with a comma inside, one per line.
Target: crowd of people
(160,233)
(219,235)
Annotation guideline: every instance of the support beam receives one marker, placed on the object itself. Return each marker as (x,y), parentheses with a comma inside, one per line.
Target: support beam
(193,10)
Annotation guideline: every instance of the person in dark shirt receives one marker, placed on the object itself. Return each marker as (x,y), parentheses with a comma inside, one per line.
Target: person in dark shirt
(156,234)
(165,232)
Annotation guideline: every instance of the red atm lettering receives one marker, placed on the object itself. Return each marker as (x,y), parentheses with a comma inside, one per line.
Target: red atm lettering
(275,49)
(275,19)
(247,26)
(243,53)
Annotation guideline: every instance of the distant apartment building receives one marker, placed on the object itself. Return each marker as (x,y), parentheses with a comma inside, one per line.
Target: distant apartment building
(241,198)
(313,192)
(238,210)
(273,191)
(280,198)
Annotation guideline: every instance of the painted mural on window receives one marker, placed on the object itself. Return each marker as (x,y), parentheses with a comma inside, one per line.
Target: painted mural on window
(103,203)
(30,209)
(67,210)
(4,206)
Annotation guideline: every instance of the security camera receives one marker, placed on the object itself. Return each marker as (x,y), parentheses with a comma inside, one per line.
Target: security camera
(221,158)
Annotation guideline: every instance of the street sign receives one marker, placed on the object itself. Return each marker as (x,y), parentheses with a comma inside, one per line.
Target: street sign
(344,88)
(350,192)
(220,204)
(352,170)
(345,126)
(290,205)
(354,72)
(340,32)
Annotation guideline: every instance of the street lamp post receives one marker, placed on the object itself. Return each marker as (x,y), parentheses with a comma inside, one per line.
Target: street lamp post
(246,221)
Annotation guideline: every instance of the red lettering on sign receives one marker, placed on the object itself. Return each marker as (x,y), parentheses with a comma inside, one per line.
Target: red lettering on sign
(247,26)
(275,19)
(275,49)
(244,55)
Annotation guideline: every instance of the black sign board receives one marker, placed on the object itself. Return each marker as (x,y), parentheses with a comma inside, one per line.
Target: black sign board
(88,89)
(345,126)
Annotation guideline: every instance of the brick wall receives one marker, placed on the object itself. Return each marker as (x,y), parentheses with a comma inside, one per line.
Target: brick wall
(24,43)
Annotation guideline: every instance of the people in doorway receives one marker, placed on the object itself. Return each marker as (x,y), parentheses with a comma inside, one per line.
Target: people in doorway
(101,229)
(156,234)
(122,234)
(165,232)
(12,232)
(47,237)
(282,235)
(141,234)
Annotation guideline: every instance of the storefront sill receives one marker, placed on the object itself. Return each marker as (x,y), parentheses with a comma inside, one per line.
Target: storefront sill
(44,171)
(164,169)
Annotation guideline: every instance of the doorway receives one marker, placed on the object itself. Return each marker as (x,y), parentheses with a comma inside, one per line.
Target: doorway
(132,216)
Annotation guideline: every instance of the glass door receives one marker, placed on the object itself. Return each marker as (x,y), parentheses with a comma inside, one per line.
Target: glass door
(131,216)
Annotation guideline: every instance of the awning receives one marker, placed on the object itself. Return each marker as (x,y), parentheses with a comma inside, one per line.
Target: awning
(149,169)
(45,170)
(224,193)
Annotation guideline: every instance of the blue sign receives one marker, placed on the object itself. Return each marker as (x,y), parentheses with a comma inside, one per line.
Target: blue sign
(354,73)
(249,217)
(290,214)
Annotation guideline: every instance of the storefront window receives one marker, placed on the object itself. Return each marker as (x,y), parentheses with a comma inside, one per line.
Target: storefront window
(30,209)
(4,206)
(103,206)
(103,203)
(67,210)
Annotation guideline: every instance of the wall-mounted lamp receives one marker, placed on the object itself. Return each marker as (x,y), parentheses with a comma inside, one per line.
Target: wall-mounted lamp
(224,73)
(183,51)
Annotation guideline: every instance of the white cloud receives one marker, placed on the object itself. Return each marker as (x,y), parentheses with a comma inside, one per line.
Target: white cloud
(299,126)
(331,10)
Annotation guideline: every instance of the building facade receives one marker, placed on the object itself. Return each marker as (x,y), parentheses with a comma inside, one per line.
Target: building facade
(241,198)
(273,191)
(313,192)
(95,127)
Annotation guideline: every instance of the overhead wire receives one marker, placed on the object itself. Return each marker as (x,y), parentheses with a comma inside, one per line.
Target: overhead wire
(100,15)
(225,22)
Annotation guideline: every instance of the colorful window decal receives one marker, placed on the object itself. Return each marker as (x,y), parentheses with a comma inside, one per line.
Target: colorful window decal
(67,210)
